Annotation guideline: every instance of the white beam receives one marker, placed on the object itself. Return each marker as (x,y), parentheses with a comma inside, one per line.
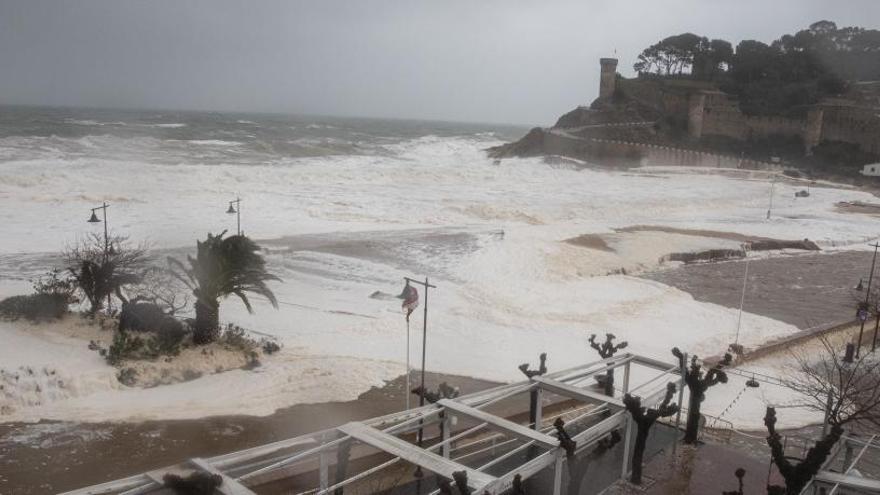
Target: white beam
(653,363)
(229,485)
(414,455)
(848,481)
(574,392)
(506,426)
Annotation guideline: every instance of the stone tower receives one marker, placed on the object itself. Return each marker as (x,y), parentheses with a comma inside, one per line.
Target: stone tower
(813,129)
(608,79)
(696,106)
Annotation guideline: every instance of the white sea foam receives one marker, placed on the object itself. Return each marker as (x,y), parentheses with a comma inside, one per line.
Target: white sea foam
(506,299)
(213,142)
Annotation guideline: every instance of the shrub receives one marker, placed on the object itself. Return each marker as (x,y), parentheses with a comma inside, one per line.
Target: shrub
(52,283)
(270,347)
(34,307)
(127,377)
(169,337)
(236,337)
(168,332)
(124,346)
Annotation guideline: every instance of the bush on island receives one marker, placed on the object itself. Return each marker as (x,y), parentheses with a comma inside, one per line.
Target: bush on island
(34,307)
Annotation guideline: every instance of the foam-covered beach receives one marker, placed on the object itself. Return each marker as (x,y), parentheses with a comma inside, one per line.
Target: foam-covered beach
(344,209)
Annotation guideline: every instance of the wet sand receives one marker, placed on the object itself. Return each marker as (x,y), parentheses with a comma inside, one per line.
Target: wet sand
(730,236)
(49,457)
(805,290)
(858,207)
(592,241)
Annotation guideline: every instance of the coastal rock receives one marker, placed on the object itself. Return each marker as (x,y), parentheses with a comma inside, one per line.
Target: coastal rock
(532,144)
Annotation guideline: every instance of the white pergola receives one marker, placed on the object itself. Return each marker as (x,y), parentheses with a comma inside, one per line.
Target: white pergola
(849,479)
(245,471)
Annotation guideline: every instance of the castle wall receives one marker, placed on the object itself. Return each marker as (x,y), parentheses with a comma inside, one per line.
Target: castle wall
(607,152)
(710,112)
(849,124)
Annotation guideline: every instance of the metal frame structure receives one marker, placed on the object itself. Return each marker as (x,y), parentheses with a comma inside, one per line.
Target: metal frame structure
(852,479)
(246,470)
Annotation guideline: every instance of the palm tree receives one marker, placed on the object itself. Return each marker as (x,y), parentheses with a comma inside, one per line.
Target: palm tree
(222,267)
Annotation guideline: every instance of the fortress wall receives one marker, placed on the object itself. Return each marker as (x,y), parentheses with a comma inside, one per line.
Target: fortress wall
(766,126)
(654,96)
(852,125)
(623,153)
(725,121)
(840,121)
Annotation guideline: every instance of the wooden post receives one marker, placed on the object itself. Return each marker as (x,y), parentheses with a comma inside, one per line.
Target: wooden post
(446,426)
(324,466)
(539,408)
(342,456)
(557,475)
(682,370)
(535,408)
(627,439)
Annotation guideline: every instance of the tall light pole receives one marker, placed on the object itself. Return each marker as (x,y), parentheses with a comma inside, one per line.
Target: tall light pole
(237,210)
(94,219)
(864,307)
(742,298)
(770,206)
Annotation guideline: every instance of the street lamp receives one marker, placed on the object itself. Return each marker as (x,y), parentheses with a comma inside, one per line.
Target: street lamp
(236,210)
(863,308)
(94,219)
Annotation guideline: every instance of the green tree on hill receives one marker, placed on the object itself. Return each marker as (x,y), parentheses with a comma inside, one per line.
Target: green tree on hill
(795,70)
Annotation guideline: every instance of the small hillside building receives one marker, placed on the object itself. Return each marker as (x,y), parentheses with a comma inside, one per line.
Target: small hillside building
(872,170)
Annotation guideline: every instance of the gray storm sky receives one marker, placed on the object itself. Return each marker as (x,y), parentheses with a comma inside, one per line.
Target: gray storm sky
(468,60)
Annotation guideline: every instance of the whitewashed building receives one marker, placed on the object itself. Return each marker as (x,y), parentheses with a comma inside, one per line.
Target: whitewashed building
(871,169)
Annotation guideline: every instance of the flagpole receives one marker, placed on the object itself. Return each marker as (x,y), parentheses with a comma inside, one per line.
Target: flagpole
(427,285)
(407,391)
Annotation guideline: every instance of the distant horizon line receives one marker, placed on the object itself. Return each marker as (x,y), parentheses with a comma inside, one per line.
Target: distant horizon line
(262,112)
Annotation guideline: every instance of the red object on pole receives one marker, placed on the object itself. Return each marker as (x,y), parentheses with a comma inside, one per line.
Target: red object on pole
(410,300)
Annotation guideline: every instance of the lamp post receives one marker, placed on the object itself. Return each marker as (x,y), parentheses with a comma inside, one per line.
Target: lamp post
(770,206)
(865,306)
(94,219)
(742,298)
(237,211)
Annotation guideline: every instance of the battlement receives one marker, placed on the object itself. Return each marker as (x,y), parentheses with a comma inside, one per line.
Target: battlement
(711,112)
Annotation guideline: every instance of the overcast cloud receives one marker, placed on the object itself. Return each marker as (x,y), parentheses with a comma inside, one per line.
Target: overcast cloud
(470,60)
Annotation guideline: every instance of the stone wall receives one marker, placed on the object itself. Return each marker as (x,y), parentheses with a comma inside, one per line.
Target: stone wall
(655,95)
(841,120)
(852,125)
(614,153)
(722,117)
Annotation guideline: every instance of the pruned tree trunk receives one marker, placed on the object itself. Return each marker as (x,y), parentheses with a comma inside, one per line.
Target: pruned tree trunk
(797,476)
(639,453)
(207,324)
(644,419)
(697,385)
(606,350)
(692,427)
